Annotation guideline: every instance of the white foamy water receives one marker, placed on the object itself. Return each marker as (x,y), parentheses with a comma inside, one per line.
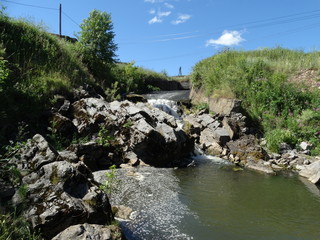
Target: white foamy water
(168,106)
(153,194)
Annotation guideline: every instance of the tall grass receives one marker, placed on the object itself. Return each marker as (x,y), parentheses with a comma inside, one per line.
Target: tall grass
(261,79)
(34,53)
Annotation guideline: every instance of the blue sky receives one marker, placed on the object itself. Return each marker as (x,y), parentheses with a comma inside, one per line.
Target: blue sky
(163,35)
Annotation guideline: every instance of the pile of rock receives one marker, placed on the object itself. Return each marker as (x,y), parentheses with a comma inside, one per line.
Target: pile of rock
(140,133)
(60,191)
(230,137)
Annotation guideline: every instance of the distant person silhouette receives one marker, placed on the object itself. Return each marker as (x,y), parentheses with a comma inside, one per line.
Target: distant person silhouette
(180,71)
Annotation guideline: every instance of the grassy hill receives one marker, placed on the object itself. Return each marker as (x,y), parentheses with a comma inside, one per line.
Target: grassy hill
(279,89)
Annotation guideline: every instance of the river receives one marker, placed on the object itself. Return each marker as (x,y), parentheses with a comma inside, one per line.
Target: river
(213,200)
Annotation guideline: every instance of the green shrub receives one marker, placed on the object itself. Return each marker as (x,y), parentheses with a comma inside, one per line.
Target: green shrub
(104,137)
(277,136)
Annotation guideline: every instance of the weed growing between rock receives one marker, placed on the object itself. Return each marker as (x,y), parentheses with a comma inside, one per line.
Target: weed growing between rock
(112,181)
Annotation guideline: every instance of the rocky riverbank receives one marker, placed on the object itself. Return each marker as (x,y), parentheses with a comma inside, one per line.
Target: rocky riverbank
(61,197)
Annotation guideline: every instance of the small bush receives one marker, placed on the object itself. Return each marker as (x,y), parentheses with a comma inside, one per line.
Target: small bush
(277,136)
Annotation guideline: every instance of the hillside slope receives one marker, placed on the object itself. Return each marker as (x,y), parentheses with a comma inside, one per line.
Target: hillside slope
(279,89)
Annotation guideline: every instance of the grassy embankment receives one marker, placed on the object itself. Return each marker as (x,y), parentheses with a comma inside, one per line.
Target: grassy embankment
(279,89)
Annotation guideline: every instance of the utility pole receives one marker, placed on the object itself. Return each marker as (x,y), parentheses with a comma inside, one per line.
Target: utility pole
(60,13)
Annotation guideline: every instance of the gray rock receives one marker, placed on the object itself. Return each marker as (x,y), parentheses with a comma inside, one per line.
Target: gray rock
(231,129)
(214,125)
(87,112)
(221,135)
(62,125)
(290,154)
(191,126)
(209,143)
(206,119)
(311,172)
(90,232)
(224,106)
(305,146)
(61,194)
(284,148)
(95,156)
(69,156)
(35,154)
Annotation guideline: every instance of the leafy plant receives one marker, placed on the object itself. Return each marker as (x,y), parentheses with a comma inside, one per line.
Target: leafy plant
(111,181)
(128,124)
(104,137)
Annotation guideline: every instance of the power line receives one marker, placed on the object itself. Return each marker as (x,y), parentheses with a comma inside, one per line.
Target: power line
(70,19)
(29,5)
(252,24)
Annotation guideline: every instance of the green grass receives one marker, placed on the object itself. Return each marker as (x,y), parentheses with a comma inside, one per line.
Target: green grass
(262,79)
(14,227)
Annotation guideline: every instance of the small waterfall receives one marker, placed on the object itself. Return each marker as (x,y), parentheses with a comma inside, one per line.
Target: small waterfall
(168,106)
(200,157)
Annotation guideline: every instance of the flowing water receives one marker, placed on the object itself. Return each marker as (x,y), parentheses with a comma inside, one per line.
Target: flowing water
(213,201)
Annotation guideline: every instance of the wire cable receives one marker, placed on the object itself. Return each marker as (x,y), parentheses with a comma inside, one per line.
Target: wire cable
(70,19)
(29,5)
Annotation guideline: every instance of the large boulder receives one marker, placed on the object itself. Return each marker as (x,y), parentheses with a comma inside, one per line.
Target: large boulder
(95,156)
(87,113)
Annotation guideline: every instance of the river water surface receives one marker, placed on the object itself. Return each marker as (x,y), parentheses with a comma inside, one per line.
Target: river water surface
(212,201)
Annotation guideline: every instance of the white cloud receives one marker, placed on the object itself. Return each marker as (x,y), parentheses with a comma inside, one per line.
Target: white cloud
(182,18)
(168,5)
(156,19)
(163,14)
(152,11)
(159,16)
(228,38)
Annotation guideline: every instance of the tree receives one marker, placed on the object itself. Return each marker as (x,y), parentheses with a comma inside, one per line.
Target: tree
(96,40)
